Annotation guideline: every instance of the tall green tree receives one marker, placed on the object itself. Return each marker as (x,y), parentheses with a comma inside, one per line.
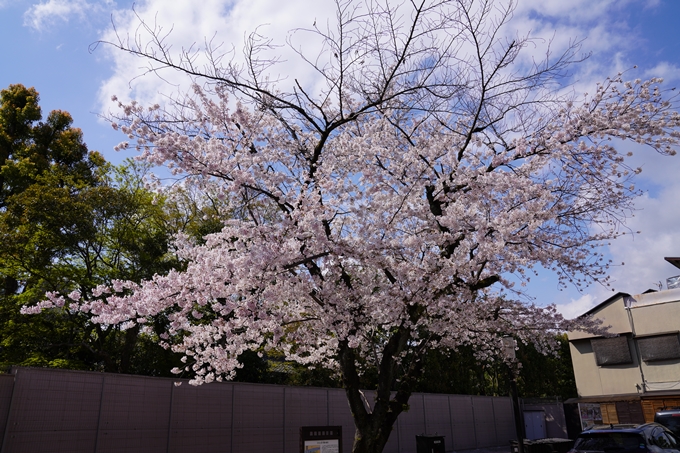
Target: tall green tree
(31,149)
(62,240)
(69,221)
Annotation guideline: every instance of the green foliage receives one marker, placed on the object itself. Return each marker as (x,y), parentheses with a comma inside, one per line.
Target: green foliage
(540,376)
(453,372)
(69,221)
(271,368)
(30,148)
(547,375)
(457,372)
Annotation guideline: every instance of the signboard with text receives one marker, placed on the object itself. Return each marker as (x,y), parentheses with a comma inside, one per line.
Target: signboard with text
(321,439)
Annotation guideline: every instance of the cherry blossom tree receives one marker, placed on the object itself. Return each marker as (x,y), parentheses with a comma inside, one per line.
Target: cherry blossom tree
(397,204)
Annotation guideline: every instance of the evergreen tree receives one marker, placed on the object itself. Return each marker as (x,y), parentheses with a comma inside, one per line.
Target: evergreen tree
(69,222)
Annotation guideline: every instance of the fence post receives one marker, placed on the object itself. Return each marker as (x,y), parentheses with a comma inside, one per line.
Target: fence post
(284,419)
(474,420)
(424,415)
(99,416)
(172,394)
(231,438)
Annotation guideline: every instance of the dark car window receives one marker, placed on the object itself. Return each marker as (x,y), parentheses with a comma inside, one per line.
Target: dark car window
(660,439)
(609,442)
(669,421)
(669,440)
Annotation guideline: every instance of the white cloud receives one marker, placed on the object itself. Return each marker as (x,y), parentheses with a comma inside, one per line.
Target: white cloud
(575,10)
(652,234)
(668,71)
(553,23)
(658,219)
(613,43)
(42,15)
(576,307)
(220,21)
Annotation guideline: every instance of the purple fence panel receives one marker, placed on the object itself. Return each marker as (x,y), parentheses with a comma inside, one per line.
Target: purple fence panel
(55,411)
(201,418)
(485,427)
(304,407)
(438,417)
(340,415)
(410,424)
(71,441)
(6,387)
(463,435)
(135,414)
(258,416)
(504,420)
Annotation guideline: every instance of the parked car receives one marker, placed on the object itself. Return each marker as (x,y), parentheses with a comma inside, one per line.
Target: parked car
(649,437)
(670,418)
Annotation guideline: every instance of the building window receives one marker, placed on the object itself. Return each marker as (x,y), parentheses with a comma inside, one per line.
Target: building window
(659,347)
(611,351)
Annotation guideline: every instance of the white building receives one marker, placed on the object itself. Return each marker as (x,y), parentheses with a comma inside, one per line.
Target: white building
(626,378)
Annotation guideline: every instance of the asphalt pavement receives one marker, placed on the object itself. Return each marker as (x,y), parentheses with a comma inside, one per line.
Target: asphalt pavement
(501,449)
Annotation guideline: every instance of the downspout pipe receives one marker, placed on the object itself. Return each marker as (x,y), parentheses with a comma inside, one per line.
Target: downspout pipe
(628,304)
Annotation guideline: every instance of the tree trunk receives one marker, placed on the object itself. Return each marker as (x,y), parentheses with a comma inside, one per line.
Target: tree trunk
(374,437)
(10,286)
(130,340)
(374,430)
(374,419)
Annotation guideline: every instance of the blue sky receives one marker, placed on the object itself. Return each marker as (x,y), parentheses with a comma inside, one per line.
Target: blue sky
(47,44)
(55,59)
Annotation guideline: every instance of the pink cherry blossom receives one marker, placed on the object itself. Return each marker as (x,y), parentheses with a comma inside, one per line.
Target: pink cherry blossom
(388,210)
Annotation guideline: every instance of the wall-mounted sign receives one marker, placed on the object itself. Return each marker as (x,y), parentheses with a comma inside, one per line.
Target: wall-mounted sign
(590,414)
(321,439)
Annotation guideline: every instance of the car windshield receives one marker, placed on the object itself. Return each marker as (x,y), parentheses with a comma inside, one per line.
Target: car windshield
(671,422)
(609,442)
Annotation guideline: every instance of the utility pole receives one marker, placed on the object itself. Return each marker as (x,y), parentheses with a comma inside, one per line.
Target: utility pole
(509,345)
